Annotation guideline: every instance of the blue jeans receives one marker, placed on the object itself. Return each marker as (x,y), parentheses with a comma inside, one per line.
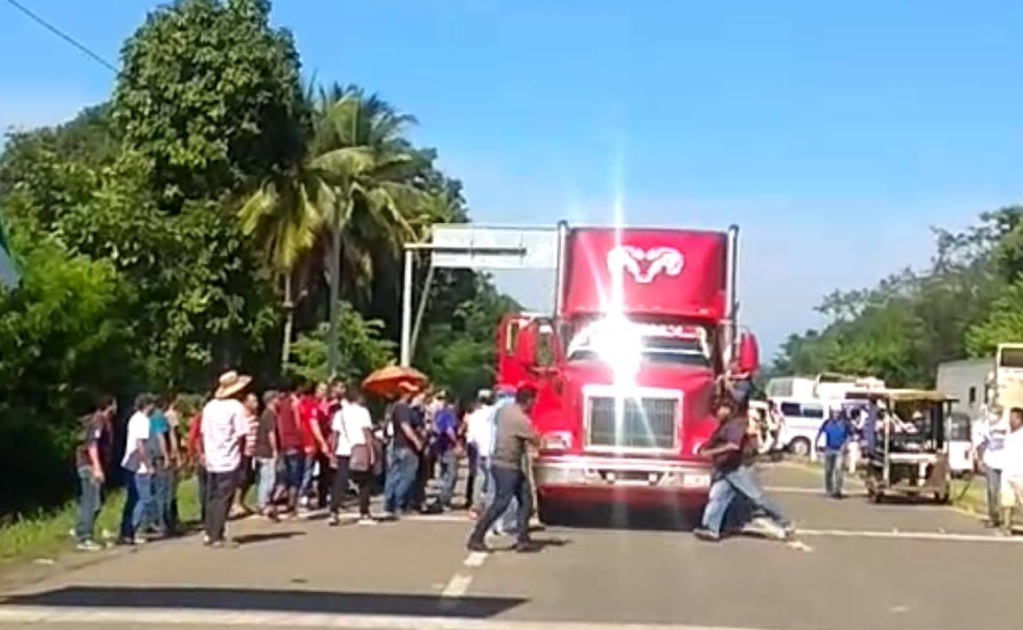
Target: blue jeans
(448,477)
(90,500)
(484,496)
(726,487)
(308,463)
(993,477)
(139,506)
(266,469)
(163,499)
(402,466)
(508,483)
(294,470)
(834,473)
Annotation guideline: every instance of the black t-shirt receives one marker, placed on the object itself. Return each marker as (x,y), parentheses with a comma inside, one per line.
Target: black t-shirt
(401,413)
(730,432)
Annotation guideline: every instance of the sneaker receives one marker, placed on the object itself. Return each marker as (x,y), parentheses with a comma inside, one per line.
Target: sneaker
(526,546)
(88,545)
(334,520)
(367,520)
(706,535)
(477,547)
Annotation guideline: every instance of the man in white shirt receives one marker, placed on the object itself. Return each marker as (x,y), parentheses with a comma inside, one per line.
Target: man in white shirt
(479,437)
(1011,490)
(225,426)
(992,443)
(355,455)
(140,503)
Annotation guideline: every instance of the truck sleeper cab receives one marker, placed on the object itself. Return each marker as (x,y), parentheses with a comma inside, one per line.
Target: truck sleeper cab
(625,391)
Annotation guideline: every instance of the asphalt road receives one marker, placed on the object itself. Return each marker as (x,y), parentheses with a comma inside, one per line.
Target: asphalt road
(856,566)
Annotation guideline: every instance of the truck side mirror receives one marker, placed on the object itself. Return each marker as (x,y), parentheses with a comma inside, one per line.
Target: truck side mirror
(525,346)
(749,353)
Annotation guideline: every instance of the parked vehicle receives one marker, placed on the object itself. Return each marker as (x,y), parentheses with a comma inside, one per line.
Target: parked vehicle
(911,455)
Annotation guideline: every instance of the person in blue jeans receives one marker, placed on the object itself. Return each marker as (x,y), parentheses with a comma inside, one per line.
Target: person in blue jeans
(508,523)
(513,434)
(163,473)
(402,454)
(139,504)
(446,448)
(732,478)
(91,458)
(836,431)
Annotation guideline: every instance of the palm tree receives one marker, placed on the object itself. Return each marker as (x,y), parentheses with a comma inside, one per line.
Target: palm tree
(346,198)
(370,166)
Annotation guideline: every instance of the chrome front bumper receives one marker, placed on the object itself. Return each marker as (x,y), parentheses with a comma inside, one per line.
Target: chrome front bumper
(555,473)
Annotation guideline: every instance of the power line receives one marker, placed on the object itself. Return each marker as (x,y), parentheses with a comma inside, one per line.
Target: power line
(61,34)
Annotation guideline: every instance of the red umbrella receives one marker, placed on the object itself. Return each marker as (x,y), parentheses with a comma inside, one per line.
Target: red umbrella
(387,380)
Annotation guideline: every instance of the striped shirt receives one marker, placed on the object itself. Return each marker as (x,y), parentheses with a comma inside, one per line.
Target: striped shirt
(250,437)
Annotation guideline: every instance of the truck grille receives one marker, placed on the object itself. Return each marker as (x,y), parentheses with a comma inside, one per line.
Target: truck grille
(645,423)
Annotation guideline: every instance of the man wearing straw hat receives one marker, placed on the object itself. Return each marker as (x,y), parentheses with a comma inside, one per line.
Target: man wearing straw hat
(224,427)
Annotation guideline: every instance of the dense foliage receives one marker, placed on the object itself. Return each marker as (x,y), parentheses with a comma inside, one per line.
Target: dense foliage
(193,224)
(968,300)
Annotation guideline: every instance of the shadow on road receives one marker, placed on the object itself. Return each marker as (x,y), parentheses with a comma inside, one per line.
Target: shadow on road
(251,539)
(665,519)
(620,517)
(281,601)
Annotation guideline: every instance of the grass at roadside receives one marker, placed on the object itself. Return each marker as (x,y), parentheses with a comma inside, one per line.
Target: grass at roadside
(47,535)
(970,496)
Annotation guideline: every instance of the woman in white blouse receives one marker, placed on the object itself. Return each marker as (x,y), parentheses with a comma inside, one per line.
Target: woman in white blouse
(355,455)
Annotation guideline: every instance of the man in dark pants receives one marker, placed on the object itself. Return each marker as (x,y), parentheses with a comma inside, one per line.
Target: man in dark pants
(225,427)
(513,434)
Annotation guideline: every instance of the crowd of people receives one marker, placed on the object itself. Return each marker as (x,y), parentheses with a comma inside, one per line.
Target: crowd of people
(282,454)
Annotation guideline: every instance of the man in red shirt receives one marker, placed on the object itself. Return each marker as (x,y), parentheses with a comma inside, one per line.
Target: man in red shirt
(310,411)
(196,454)
(292,447)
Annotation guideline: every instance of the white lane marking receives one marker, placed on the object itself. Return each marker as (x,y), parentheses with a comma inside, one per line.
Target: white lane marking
(799,490)
(457,587)
(437,518)
(324,621)
(834,533)
(854,533)
(476,559)
(799,545)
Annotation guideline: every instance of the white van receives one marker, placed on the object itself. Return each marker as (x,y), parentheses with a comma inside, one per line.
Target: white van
(803,420)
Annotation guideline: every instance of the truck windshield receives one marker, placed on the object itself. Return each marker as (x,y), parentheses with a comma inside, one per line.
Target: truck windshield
(666,346)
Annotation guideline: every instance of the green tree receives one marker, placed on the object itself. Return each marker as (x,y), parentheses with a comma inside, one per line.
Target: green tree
(63,336)
(912,321)
(210,95)
(361,350)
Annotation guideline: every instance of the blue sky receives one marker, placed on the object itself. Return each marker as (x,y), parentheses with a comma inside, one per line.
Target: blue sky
(834,133)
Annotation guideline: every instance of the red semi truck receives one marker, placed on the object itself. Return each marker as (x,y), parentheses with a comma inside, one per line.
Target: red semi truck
(626,367)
